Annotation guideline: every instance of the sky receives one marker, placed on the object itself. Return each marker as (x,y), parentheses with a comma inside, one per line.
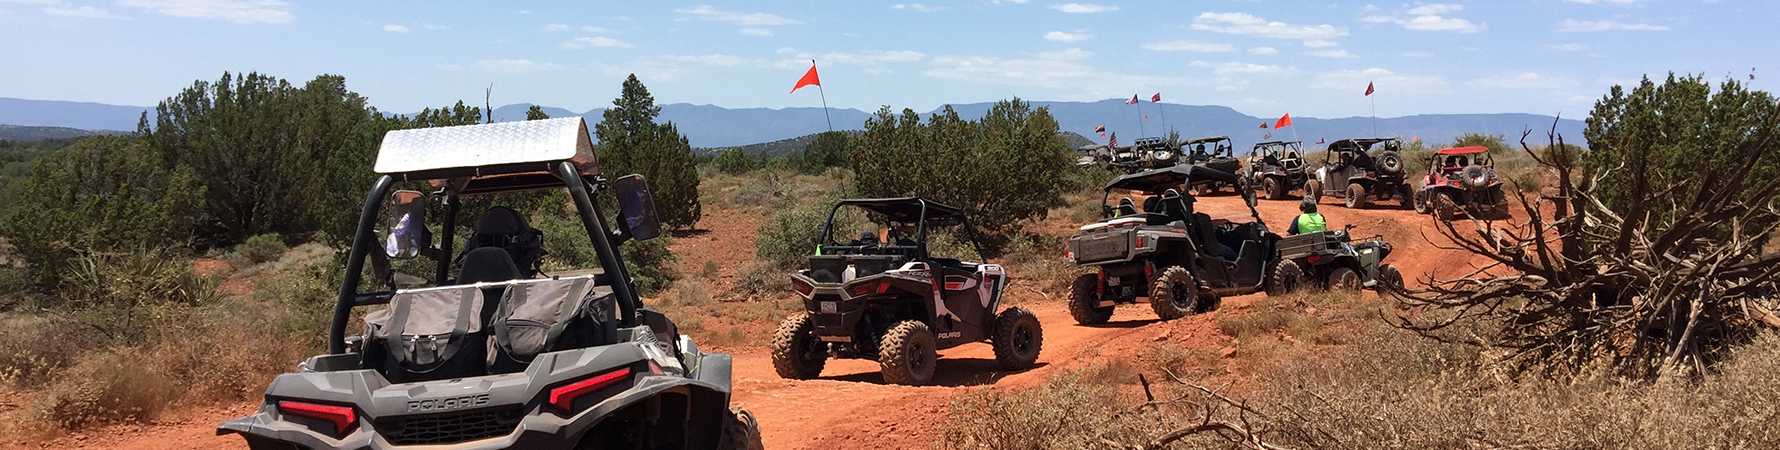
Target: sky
(1261,57)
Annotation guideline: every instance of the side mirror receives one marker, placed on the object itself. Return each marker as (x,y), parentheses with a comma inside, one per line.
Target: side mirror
(407,226)
(636,207)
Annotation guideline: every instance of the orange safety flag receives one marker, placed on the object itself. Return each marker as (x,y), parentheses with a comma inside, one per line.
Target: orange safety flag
(809,78)
(1284,121)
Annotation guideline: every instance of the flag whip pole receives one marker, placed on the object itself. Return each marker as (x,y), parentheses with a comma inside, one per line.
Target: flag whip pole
(825,100)
(1374,114)
(1164,109)
(1140,129)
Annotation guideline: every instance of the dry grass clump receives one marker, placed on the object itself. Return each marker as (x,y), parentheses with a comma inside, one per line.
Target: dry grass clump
(1073,410)
(1393,389)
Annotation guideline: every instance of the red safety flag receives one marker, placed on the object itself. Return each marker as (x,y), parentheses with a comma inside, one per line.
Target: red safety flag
(1146,117)
(1284,121)
(1319,140)
(1132,101)
(1102,134)
(809,78)
(1368,89)
(1100,129)
(1156,98)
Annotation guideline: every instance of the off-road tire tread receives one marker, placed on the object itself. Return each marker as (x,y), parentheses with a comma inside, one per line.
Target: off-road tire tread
(1286,268)
(1084,311)
(1003,341)
(1162,294)
(785,357)
(1275,188)
(740,431)
(1335,277)
(1356,201)
(893,360)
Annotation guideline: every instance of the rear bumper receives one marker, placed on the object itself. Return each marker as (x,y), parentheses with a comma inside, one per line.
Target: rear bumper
(704,396)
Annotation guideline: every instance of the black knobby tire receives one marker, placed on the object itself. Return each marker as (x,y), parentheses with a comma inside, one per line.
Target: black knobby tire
(1174,294)
(1207,303)
(740,431)
(1356,196)
(1422,204)
(1275,189)
(1445,207)
(1344,279)
(793,355)
(1405,201)
(1018,338)
(908,355)
(1313,190)
(1390,162)
(1288,277)
(1084,301)
(1389,278)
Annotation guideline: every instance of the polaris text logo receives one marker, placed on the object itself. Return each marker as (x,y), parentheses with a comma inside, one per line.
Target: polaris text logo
(441,404)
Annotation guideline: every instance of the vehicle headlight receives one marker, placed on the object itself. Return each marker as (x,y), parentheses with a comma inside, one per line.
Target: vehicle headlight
(1163,154)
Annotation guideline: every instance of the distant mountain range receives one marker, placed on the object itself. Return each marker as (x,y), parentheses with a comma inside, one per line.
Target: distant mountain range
(707,126)
(29,133)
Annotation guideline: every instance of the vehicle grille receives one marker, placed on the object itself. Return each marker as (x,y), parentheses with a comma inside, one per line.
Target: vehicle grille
(450,428)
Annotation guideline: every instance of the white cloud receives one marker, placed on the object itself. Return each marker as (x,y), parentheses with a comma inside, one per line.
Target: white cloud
(1067,70)
(917,7)
(1568,48)
(33,2)
(718,60)
(514,66)
(1189,46)
(1355,81)
(1431,17)
(756,31)
(1263,50)
(1524,81)
(450,67)
(1248,24)
(1240,68)
(595,41)
(557,28)
(393,28)
(1060,36)
(1084,8)
(237,11)
(1586,26)
(706,12)
(84,12)
(1332,53)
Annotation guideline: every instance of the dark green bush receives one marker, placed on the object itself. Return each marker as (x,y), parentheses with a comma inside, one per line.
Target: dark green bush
(261,248)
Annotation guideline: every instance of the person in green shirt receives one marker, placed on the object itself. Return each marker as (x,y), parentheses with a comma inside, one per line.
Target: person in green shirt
(1309,222)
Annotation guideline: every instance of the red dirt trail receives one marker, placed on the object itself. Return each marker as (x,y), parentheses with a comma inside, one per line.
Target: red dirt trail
(849,407)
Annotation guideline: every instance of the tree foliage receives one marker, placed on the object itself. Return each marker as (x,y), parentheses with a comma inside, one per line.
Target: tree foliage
(1660,135)
(828,150)
(631,142)
(1002,169)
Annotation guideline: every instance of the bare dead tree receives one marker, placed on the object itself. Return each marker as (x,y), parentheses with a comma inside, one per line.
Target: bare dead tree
(1663,284)
(1210,407)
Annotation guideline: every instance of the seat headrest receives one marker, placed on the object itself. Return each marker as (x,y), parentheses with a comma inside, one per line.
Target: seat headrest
(488,264)
(501,220)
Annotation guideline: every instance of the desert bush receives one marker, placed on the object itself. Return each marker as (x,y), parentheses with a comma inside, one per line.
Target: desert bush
(1066,412)
(689,293)
(736,162)
(260,248)
(29,357)
(105,388)
(762,278)
(651,264)
(129,296)
(791,234)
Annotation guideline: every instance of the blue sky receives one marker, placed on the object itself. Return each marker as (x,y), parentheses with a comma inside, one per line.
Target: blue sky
(1261,57)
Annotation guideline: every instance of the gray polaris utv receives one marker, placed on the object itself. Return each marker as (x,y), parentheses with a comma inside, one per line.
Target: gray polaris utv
(495,354)
(1177,259)
(1212,152)
(1276,168)
(891,301)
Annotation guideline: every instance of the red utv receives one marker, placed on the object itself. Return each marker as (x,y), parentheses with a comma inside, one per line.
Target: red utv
(1462,179)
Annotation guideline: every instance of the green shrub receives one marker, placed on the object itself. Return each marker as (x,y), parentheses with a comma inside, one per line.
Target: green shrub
(762,278)
(128,296)
(261,248)
(792,233)
(651,264)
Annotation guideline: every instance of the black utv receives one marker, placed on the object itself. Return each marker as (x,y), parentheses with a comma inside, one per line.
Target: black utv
(482,350)
(1276,167)
(1350,171)
(1176,258)
(1216,153)
(891,301)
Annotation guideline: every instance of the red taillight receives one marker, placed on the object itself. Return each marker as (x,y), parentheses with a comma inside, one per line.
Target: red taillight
(563,398)
(862,289)
(1068,254)
(1314,258)
(1140,241)
(343,417)
(801,287)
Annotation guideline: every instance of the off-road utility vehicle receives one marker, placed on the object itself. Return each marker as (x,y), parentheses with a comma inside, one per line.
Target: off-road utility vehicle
(1178,259)
(1461,179)
(1326,259)
(893,302)
(1350,172)
(1277,168)
(1212,152)
(490,355)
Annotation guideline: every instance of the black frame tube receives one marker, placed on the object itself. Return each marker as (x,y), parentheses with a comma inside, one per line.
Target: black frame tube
(448,240)
(355,263)
(593,218)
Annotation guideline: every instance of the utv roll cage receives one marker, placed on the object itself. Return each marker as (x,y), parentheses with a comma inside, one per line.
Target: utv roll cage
(458,166)
(921,213)
(1180,178)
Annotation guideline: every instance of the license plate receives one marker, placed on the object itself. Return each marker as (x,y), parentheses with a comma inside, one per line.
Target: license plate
(830,307)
